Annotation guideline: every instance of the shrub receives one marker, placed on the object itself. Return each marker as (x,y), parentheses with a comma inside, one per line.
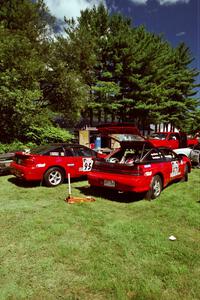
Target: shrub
(50,134)
(16,145)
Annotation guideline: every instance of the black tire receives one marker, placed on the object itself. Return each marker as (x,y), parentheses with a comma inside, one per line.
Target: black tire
(155,188)
(186,171)
(53,177)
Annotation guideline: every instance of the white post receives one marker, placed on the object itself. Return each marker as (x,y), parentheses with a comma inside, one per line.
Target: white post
(69,184)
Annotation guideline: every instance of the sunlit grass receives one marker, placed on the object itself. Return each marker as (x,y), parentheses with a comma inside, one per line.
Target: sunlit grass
(114,248)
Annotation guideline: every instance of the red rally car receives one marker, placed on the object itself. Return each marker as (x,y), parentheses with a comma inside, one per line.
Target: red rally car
(138,166)
(52,163)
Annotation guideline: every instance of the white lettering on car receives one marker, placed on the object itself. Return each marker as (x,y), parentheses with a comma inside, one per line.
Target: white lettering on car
(87,164)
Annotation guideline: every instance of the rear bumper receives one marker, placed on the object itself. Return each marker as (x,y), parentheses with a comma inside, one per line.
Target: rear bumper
(29,174)
(126,183)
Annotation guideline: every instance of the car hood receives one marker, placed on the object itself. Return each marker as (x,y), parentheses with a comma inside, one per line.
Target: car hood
(158,142)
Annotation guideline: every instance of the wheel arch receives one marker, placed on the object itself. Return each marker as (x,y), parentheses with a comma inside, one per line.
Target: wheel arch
(187,163)
(161,176)
(56,166)
(150,194)
(189,167)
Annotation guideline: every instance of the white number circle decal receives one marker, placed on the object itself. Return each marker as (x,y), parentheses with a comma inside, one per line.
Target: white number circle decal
(87,164)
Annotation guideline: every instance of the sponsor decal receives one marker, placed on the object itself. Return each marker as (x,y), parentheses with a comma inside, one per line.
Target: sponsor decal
(147,166)
(40,165)
(175,169)
(148,173)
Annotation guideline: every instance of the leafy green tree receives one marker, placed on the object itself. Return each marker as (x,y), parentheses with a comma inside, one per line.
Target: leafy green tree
(22,64)
(63,85)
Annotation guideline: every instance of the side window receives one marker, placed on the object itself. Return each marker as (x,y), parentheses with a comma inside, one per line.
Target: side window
(154,155)
(169,155)
(56,152)
(68,152)
(85,152)
(173,136)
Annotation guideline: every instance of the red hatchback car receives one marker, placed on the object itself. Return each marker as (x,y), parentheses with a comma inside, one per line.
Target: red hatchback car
(137,166)
(52,163)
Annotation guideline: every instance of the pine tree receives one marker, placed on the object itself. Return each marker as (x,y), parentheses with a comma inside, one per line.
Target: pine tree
(131,74)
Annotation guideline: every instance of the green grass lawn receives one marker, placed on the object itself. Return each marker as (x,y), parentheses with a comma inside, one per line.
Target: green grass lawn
(117,247)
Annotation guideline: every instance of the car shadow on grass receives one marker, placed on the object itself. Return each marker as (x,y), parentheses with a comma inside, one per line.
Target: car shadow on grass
(25,184)
(111,195)
(31,184)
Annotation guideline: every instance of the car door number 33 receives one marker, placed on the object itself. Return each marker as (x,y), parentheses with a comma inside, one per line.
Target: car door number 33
(87,164)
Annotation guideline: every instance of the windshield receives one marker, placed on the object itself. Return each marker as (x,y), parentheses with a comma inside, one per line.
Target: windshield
(127,137)
(158,136)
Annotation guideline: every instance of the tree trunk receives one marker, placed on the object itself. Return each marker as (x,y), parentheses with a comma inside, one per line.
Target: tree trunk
(91,116)
(113,117)
(99,115)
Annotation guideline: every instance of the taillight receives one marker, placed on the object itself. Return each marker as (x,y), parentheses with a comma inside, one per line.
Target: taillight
(28,162)
(137,171)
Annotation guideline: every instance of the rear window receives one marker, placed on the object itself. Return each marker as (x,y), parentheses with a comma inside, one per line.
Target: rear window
(48,150)
(86,152)
(41,149)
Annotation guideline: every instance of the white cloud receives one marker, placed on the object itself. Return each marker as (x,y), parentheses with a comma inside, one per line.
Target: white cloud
(181,33)
(169,2)
(161,2)
(70,8)
(139,1)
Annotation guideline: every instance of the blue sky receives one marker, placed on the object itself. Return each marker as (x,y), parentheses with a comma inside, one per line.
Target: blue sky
(177,20)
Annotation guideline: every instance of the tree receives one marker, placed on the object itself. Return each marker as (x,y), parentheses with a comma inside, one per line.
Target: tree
(63,85)
(22,47)
(153,81)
